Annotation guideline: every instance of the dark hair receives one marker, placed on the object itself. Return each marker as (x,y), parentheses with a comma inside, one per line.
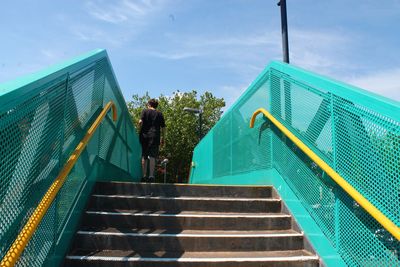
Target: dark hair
(153,103)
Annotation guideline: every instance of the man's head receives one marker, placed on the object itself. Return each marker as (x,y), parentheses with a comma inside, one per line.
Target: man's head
(152,103)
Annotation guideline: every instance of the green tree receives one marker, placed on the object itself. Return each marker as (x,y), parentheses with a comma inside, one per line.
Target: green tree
(182,127)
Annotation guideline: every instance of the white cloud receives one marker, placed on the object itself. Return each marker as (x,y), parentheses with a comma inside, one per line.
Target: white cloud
(230,93)
(173,55)
(122,11)
(322,39)
(385,83)
(245,55)
(311,49)
(50,54)
(89,33)
(323,52)
(86,33)
(253,39)
(120,20)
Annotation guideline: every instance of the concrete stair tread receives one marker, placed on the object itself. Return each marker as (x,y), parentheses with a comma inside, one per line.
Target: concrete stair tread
(136,212)
(193,254)
(184,233)
(200,220)
(119,196)
(205,186)
(126,188)
(133,224)
(187,203)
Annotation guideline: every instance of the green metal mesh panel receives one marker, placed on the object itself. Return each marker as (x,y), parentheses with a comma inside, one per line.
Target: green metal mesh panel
(301,175)
(361,240)
(31,134)
(42,241)
(234,150)
(105,133)
(119,137)
(309,109)
(368,154)
(361,145)
(222,154)
(38,131)
(357,236)
(245,159)
(355,132)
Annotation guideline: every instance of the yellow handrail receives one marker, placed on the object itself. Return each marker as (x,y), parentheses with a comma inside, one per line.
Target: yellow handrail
(26,233)
(370,208)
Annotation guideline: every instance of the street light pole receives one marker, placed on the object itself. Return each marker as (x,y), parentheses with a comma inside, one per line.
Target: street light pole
(285,50)
(285,38)
(200,112)
(200,125)
(164,163)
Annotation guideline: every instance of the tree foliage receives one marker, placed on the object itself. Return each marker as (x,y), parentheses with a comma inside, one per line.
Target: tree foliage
(182,127)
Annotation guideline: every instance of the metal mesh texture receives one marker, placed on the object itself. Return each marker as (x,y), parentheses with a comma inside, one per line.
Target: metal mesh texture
(234,147)
(38,132)
(360,143)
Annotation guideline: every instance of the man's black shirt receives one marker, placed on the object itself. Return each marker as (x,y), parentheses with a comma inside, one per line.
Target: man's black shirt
(152,121)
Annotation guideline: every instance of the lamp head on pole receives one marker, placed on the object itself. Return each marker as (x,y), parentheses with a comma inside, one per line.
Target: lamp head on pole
(193,110)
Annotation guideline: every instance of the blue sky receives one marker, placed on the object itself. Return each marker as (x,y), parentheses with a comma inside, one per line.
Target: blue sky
(221,46)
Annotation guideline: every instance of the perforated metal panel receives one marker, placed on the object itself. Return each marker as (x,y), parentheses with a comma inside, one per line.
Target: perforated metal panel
(355,132)
(39,128)
(233,147)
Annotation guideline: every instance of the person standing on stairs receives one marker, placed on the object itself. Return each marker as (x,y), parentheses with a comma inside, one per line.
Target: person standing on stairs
(152,133)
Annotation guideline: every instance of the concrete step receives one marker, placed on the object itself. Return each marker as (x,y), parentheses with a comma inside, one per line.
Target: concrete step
(178,204)
(130,224)
(118,258)
(187,220)
(177,190)
(187,240)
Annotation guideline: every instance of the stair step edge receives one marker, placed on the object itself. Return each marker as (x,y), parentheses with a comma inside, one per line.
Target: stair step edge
(186,198)
(199,215)
(247,259)
(236,235)
(183,185)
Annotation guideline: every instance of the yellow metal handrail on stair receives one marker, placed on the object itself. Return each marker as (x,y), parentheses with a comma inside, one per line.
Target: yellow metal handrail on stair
(368,206)
(34,220)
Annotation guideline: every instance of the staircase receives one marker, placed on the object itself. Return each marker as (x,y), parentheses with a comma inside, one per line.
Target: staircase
(131,224)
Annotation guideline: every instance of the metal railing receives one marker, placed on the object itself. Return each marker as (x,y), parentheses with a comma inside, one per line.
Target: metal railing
(359,198)
(355,132)
(43,118)
(34,220)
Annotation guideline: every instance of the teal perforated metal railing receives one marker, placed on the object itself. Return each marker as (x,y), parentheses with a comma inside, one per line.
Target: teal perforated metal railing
(42,119)
(356,132)
(44,116)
